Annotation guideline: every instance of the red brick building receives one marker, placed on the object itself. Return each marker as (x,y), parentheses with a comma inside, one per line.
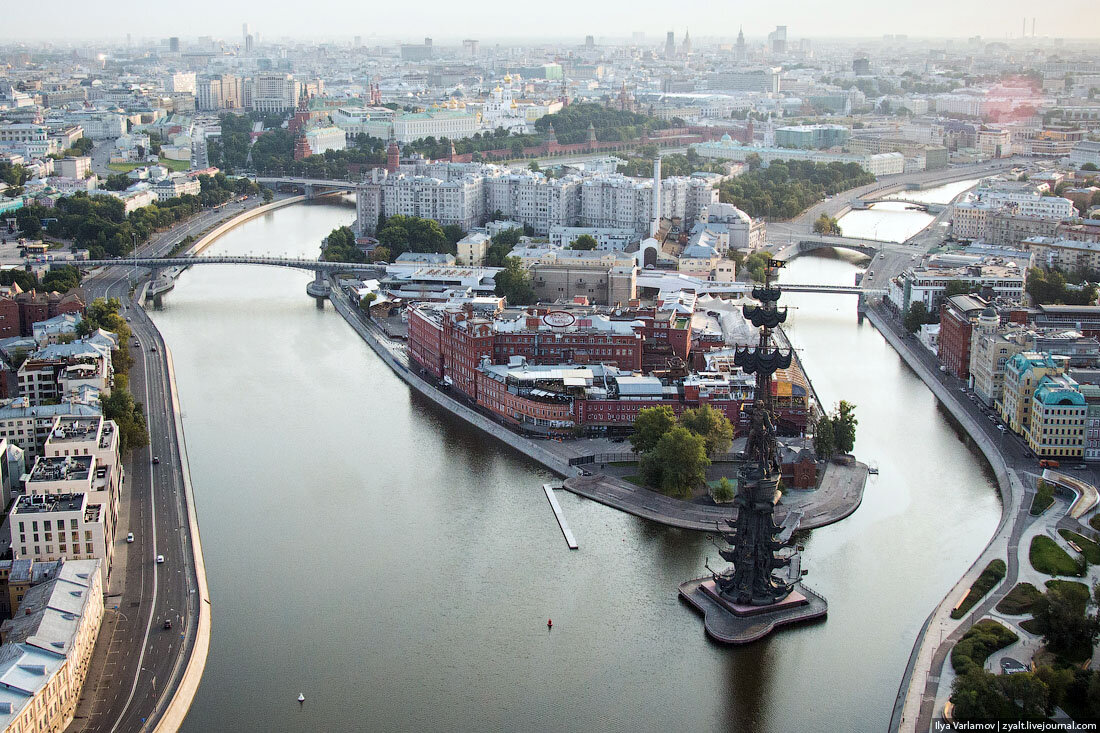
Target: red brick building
(9,318)
(957,317)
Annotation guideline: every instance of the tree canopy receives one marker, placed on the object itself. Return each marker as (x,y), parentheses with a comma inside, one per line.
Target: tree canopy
(785,189)
(514,283)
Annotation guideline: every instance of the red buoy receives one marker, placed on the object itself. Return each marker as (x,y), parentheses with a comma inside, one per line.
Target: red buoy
(549,623)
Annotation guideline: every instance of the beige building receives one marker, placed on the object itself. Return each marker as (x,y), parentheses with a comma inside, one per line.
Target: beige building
(78,438)
(472,249)
(1022,375)
(990,350)
(47,648)
(602,285)
(1058,415)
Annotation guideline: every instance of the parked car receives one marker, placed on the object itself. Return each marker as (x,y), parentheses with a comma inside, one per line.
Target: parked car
(1048,463)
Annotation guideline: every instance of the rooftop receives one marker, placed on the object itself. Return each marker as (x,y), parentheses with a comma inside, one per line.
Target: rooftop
(47,503)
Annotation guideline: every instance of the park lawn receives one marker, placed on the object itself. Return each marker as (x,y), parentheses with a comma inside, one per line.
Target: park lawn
(992,575)
(1047,557)
(1089,549)
(1031,626)
(1079,591)
(125,167)
(1043,498)
(635,479)
(177,166)
(1019,600)
(981,640)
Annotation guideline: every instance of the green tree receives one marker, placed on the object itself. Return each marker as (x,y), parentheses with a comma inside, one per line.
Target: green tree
(1067,628)
(127,414)
(712,425)
(828,225)
(650,426)
(268,195)
(844,427)
(1089,167)
(917,315)
(678,463)
(365,302)
(723,492)
(584,242)
(62,279)
(453,233)
(824,441)
(514,283)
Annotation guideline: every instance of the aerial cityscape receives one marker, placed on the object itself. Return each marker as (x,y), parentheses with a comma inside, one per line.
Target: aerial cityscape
(618,367)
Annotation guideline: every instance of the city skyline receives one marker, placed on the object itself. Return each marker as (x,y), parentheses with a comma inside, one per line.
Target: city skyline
(493,21)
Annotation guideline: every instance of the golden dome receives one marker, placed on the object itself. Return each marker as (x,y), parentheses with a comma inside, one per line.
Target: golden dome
(507,78)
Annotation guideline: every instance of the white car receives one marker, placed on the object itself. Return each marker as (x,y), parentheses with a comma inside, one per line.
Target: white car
(130,537)
(160,559)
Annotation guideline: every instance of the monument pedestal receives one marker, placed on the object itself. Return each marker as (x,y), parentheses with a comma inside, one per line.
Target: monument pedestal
(733,623)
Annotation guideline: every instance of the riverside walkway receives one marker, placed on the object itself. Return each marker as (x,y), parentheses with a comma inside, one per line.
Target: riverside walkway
(839,494)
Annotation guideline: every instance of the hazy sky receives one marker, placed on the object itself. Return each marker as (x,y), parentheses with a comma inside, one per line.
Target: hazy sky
(568,19)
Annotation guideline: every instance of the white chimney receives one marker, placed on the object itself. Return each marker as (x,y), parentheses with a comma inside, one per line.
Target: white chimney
(655,224)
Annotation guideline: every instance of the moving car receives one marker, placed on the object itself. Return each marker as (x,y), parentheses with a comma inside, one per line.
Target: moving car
(160,559)
(156,460)
(130,537)
(167,623)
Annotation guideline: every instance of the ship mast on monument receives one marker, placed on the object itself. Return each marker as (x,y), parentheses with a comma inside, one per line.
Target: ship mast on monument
(750,598)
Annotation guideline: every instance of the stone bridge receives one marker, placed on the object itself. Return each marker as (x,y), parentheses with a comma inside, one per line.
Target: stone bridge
(311,187)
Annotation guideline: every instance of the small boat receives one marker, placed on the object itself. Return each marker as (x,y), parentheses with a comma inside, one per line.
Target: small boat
(301,698)
(872,470)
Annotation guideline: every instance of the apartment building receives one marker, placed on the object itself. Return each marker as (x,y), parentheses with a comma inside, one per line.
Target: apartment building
(54,526)
(1058,416)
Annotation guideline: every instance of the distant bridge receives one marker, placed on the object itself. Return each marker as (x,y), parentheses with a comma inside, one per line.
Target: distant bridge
(868,247)
(931,208)
(299,263)
(311,187)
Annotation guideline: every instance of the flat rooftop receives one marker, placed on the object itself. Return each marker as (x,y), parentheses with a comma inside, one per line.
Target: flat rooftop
(61,468)
(74,429)
(46,503)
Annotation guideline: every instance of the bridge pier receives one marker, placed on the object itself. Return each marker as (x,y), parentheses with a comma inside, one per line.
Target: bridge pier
(318,287)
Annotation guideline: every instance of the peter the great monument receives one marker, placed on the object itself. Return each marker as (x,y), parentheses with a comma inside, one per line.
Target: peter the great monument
(748,600)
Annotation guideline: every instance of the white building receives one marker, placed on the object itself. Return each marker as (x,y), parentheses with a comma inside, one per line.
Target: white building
(606,239)
(1086,151)
(472,249)
(881,164)
(49,527)
(74,167)
(725,227)
(927,285)
(176,185)
(79,439)
(273,92)
(323,139)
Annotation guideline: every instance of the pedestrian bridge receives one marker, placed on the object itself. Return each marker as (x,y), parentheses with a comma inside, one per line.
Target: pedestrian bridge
(300,263)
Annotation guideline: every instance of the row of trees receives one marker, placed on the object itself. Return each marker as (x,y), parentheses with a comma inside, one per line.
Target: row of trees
(675,453)
(785,189)
(61,279)
(571,123)
(671,165)
(836,433)
(120,405)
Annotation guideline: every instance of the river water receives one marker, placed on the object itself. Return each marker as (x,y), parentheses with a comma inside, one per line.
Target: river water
(891,221)
(398,568)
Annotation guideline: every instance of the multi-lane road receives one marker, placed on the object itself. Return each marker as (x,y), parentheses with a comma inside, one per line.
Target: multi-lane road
(137,663)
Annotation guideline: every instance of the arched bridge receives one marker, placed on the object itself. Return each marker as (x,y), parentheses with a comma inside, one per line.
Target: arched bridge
(309,186)
(931,208)
(867,247)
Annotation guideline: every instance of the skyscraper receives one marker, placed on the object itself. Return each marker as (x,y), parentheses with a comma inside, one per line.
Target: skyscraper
(174,44)
(670,45)
(686,46)
(777,40)
(739,49)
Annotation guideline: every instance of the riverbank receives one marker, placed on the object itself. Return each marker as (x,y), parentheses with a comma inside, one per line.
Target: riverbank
(913,708)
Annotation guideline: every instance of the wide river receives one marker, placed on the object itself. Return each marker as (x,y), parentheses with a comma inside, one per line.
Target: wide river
(893,221)
(397,567)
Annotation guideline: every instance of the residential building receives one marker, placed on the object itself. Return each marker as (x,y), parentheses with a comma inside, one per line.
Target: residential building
(54,526)
(472,249)
(1058,416)
(1092,421)
(74,167)
(995,276)
(28,427)
(47,647)
(73,440)
(990,349)
(1022,375)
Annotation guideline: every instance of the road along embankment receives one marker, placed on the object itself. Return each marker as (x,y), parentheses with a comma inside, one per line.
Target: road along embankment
(192,674)
(918,670)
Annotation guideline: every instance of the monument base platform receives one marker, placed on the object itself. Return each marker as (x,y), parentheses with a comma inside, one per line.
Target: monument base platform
(732,623)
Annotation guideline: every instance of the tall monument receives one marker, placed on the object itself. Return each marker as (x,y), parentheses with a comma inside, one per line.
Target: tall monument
(747,600)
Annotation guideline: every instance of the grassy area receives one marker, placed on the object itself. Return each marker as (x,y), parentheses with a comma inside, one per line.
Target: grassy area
(983,638)
(1079,591)
(1043,499)
(125,167)
(1047,557)
(1095,522)
(623,464)
(1089,549)
(1031,626)
(635,479)
(179,166)
(1019,600)
(992,575)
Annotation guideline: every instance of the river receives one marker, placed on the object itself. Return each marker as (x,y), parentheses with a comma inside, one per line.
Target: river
(398,568)
(893,221)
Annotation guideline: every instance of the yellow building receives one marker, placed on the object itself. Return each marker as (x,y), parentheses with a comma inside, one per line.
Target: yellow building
(1058,414)
(1022,374)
